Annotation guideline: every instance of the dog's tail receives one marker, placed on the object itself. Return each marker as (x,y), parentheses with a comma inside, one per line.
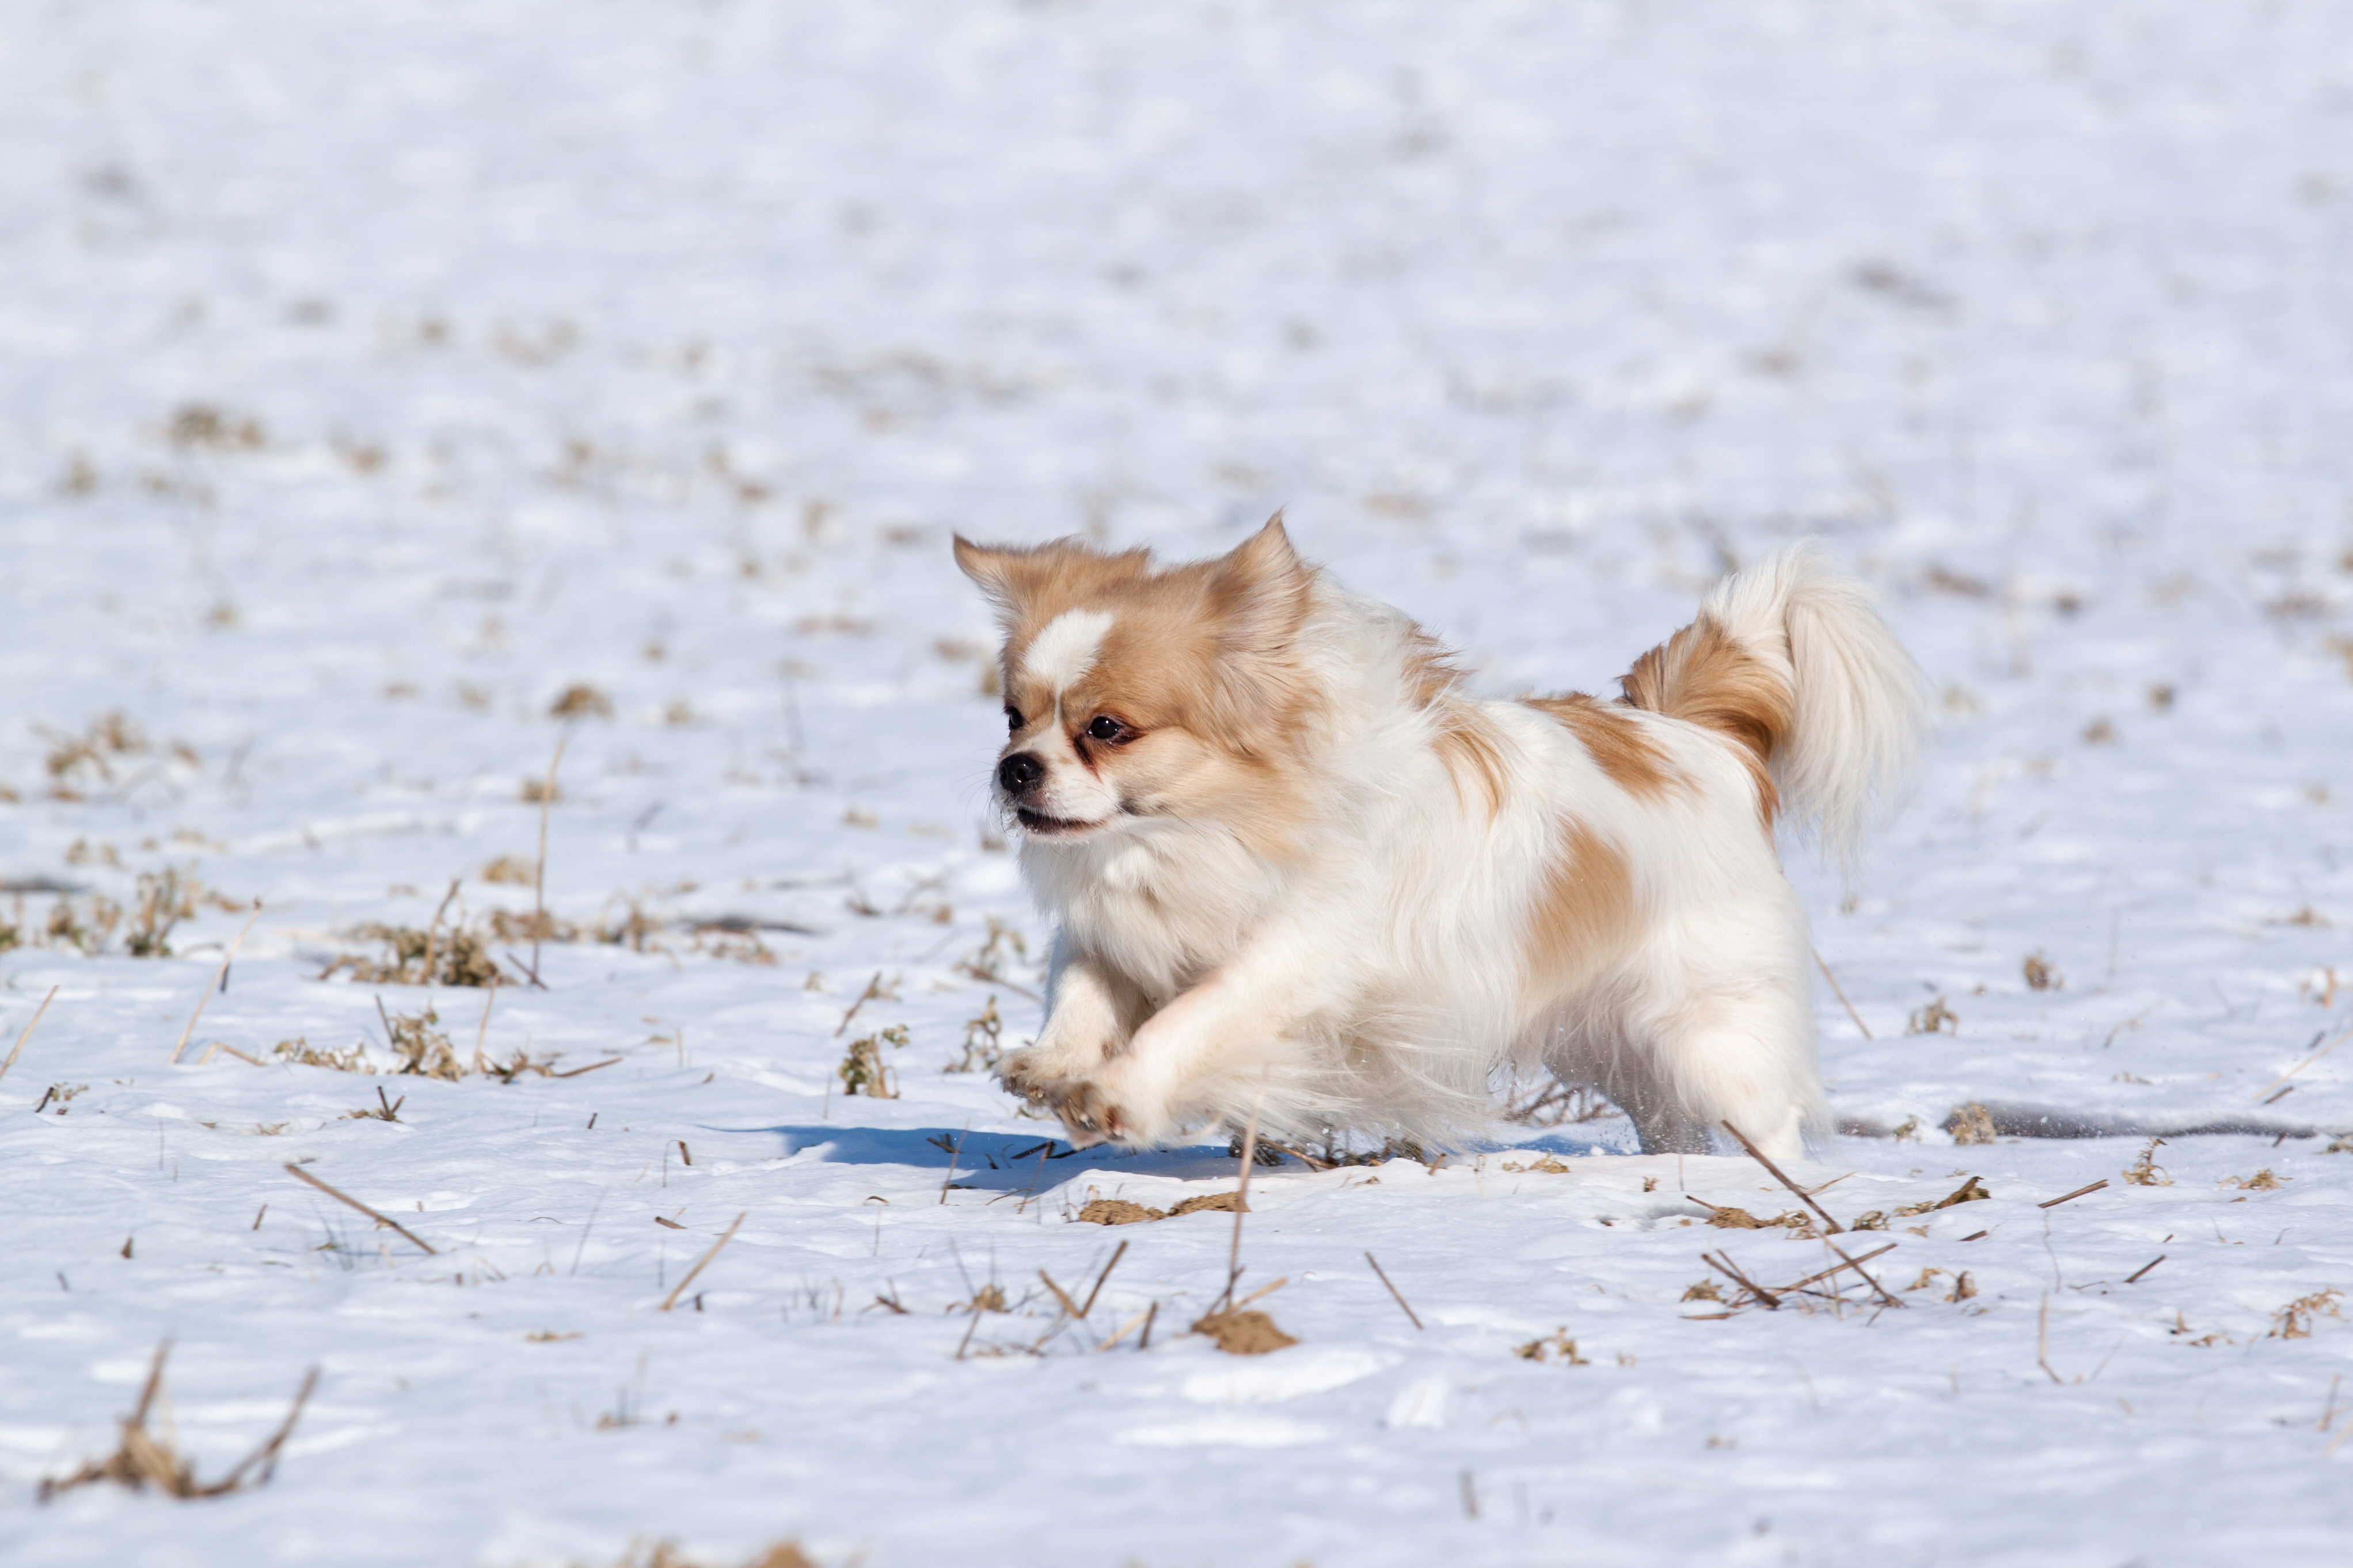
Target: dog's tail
(1789,661)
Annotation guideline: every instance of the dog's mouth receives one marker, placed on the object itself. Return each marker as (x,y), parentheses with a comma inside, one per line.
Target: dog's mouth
(1044,826)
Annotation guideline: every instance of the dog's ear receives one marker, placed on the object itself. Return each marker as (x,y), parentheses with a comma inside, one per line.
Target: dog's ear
(1261,592)
(996,572)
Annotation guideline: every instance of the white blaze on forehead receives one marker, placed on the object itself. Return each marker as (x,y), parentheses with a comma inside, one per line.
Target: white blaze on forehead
(1066,648)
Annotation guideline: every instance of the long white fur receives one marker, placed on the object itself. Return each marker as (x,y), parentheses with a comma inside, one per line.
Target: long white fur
(1374,980)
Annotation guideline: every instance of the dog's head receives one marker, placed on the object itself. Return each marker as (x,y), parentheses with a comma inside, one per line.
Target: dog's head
(1133,694)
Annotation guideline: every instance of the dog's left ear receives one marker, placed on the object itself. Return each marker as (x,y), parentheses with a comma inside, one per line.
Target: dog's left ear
(1261,591)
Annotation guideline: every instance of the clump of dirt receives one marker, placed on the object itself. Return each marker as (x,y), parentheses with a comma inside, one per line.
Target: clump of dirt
(1243,1334)
(1223,1203)
(1119,1211)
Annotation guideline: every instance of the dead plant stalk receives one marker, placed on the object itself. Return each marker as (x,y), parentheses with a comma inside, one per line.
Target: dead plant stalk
(27,1035)
(1241,1197)
(298,1172)
(703,1262)
(220,975)
(539,871)
(1803,1196)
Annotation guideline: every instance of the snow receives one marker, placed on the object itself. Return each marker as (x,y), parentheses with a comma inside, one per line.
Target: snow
(370,378)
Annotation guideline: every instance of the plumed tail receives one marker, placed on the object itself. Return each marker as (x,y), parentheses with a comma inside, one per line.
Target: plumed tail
(1790,661)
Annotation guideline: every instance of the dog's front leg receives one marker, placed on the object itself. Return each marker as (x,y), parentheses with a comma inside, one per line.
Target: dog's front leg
(1240,1013)
(1091,1011)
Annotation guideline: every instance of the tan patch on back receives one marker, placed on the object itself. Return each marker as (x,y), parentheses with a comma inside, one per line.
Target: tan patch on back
(1583,918)
(1467,745)
(1614,740)
(1702,676)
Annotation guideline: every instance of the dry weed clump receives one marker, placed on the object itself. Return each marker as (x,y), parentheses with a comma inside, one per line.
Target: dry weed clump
(2294,1322)
(2263,1181)
(1972,1123)
(2041,976)
(143,1459)
(1727,1217)
(982,1048)
(1558,1346)
(1119,1211)
(1243,1334)
(2145,1171)
(1970,1190)
(1935,1019)
(414,957)
(863,1070)
(581,702)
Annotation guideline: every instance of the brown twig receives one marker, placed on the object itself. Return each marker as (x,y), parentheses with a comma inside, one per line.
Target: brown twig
(1393,1292)
(1844,1263)
(956,1152)
(1732,1271)
(1803,1196)
(2079,1192)
(702,1262)
(2135,1276)
(2042,1342)
(1841,993)
(1241,1197)
(28,1031)
(1857,1264)
(1307,1160)
(219,976)
(1115,1256)
(2307,1061)
(592,1067)
(1036,1176)
(539,873)
(433,932)
(298,1172)
(1142,1317)
(1069,1306)
(482,1033)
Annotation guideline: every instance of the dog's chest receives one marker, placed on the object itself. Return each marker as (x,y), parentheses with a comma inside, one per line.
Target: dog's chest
(1164,914)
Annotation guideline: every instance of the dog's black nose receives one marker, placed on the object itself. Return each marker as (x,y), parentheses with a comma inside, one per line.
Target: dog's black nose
(1019,774)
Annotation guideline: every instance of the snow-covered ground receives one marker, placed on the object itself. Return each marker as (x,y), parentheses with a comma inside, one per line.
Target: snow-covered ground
(370,378)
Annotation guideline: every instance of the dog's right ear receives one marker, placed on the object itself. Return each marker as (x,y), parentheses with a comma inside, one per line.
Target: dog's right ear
(995,571)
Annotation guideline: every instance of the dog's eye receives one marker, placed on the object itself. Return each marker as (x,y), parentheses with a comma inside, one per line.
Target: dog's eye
(1107,727)
(1012,719)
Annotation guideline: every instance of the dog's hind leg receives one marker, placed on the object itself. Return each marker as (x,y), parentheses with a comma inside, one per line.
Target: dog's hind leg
(1739,1050)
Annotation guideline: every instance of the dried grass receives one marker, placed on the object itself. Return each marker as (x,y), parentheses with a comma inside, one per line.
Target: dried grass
(982,1047)
(143,1459)
(1935,1019)
(1970,1190)
(2145,1171)
(414,957)
(2295,1321)
(863,1070)
(1556,1346)
(1972,1123)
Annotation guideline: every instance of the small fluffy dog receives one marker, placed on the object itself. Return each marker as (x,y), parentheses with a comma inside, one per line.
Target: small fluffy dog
(1298,872)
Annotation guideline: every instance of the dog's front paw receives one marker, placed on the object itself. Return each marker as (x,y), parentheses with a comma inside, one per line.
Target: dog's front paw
(1089,1115)
(1037,1077)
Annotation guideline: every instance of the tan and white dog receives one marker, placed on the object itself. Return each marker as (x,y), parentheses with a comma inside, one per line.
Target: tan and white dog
(1296,869)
